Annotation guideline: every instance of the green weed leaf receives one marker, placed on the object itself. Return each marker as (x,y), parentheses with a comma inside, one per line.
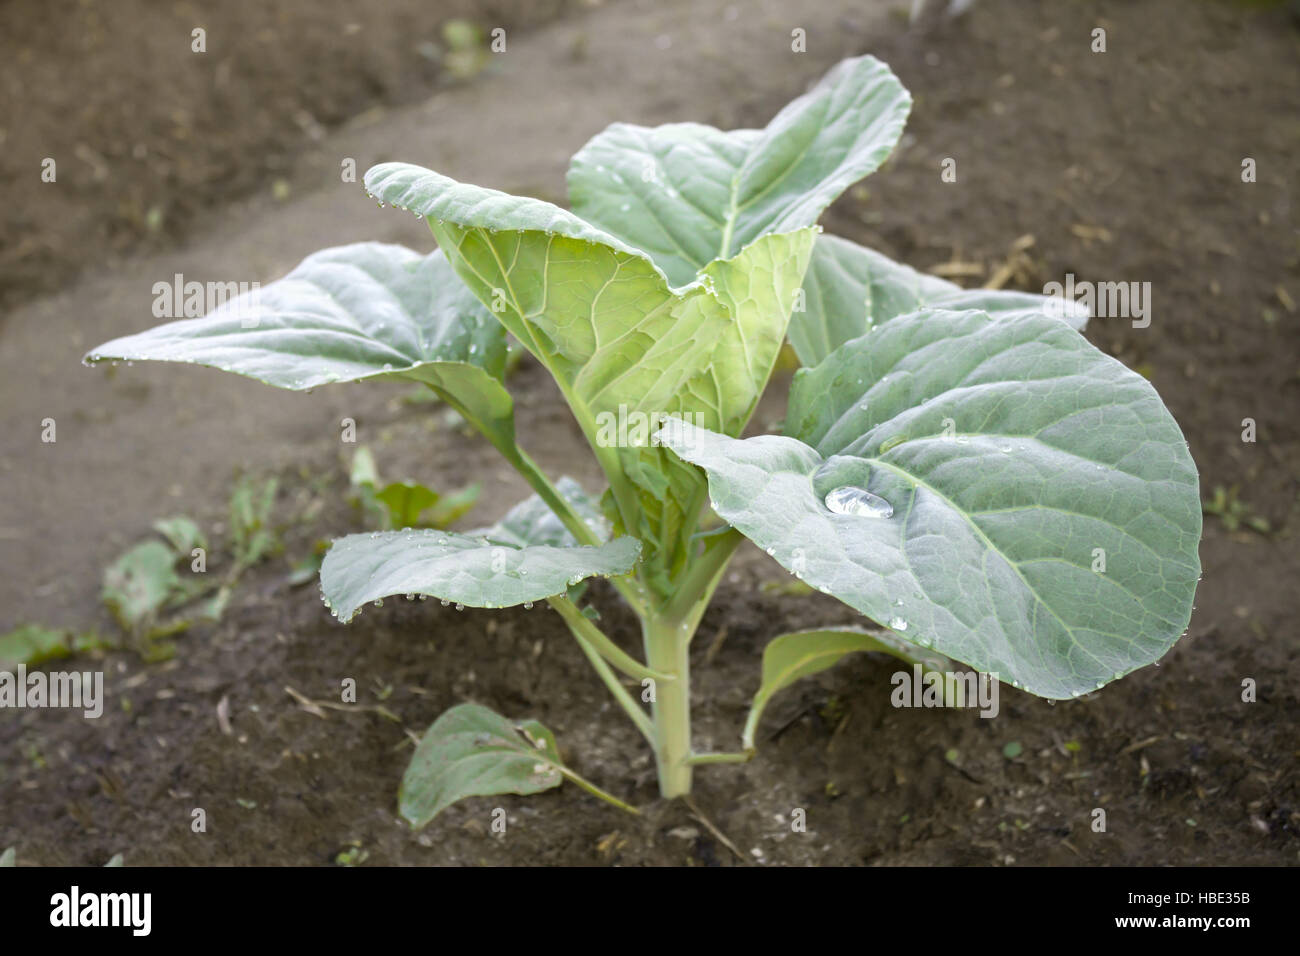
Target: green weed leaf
(140,583)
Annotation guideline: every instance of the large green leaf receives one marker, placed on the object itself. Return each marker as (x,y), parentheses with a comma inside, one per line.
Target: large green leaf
(473,571)
(472,751)
(687,194)
(618,339)
(963,480)
(791,657)
(850,289)
(363,311)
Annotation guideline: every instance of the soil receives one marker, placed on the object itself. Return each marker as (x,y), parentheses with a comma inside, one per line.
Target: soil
(1123,165)
(147,133)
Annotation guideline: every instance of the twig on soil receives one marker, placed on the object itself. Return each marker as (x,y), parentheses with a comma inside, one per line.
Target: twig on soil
(1017,264)
(1140,745)
(716,646)
(410,737)
(223,715)
(314,706)
(1089,233)
(957,269)
(308,705)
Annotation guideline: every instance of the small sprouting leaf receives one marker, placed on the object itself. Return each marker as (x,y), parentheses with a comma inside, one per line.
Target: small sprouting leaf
(212,608)
(687,194)
(307,568)
(850,289)
(116,860)
(1012,750)
(363,480)
(9,857)
(139,583)
(352,856)
(33,644)
(251,534)
(790,657)
(365,473)
(406,501)
(472,751)
(454,505)
(1029,454)
(469,571)
(183,534)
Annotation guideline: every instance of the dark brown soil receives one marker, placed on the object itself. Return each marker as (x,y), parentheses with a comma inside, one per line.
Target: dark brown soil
(1123,166)
(147,134)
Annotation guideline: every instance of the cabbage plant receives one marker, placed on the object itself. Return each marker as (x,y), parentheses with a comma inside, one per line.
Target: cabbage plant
(960,468)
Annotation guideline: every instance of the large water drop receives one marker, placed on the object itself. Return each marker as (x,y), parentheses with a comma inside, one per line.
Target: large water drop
(848,500)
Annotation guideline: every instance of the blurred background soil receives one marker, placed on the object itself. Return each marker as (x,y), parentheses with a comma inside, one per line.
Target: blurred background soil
(1122,166)
(149,135)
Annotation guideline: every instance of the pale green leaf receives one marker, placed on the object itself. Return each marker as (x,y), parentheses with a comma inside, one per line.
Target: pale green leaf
(405,501)
(353,312)
(850,289)
(687,194)
(183,534)
(33,644)
(472,751)
(620,342)
(791,657)
(458,568)
(364,473)
(454,505)
(252,536)
(1014,456)
(139,583)
(363,311)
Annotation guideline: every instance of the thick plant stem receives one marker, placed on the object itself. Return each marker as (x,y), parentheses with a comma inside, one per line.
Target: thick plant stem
(667,649)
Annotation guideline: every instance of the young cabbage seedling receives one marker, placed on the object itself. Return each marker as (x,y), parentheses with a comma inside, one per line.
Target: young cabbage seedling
(962,467)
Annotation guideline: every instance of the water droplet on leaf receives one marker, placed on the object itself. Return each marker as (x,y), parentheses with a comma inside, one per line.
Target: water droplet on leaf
(848,500)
